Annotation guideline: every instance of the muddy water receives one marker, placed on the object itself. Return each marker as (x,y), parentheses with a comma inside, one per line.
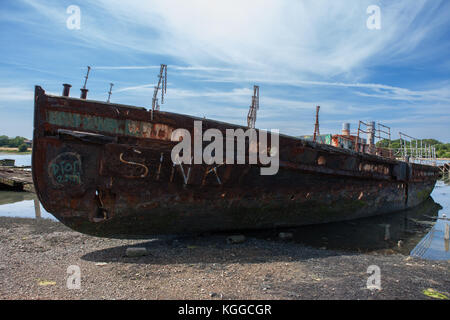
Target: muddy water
(418,232)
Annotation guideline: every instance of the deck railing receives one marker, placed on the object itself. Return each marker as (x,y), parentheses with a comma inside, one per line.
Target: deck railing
(416,150)
(381,132)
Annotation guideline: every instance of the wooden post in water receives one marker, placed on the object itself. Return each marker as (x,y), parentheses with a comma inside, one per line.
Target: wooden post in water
(446,237)
(37,208)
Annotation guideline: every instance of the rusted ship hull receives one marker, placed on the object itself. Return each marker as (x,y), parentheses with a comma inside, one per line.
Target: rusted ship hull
(105,169)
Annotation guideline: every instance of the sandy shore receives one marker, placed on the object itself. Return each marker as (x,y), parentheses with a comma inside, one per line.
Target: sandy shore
(35,255)
(6,150)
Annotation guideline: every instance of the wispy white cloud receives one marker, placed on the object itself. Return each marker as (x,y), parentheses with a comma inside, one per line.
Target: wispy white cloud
(172,67)
(143,87)
(15,94)
(217,50)
(269,41)
(183,93)
(373,90)
(125,67)
(409,95)
(323,38)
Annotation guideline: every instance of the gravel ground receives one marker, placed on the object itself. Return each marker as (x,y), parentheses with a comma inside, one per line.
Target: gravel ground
(35,255)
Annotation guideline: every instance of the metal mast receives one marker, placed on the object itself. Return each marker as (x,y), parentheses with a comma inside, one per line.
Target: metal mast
(83,90)
(251,117)
(86,77)
(162,82)
(316,127)
(110,91)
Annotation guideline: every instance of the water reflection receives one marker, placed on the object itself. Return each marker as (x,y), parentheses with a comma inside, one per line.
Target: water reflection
(22,205)
(393,233)
(418,231)
(8,197)
(435,245)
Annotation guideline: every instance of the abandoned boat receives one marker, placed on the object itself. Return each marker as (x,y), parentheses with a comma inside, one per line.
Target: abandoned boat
(105,169)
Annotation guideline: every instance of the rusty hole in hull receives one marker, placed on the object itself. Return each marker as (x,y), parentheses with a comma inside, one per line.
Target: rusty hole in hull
(101,214)
(321,161)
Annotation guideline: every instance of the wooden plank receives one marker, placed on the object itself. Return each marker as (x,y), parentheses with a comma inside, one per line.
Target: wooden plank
(16,178)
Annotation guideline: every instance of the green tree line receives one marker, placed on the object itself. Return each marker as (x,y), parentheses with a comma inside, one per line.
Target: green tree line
(11,142)
(442,149)
(17,142)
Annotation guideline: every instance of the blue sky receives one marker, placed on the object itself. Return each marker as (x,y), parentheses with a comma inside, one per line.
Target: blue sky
(300,53)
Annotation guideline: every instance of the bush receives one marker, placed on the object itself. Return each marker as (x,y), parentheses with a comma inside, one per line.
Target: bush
(23,147)
(11,142)
(4,140)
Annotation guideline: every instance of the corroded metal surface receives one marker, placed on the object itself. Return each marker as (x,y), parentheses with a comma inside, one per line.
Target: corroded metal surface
(105,169)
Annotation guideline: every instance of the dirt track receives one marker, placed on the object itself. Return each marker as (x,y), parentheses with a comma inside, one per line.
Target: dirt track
(35,255)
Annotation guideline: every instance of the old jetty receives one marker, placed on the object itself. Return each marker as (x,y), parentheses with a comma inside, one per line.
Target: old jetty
(16,178)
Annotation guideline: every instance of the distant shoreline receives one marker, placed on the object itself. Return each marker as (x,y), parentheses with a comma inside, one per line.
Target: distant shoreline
(8,150)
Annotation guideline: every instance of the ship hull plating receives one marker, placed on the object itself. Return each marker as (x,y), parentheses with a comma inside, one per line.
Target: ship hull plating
(105,170)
